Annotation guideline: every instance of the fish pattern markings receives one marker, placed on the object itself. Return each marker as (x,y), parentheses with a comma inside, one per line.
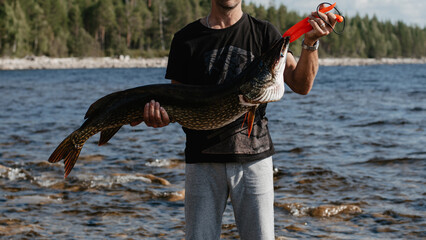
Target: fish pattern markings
(194,107)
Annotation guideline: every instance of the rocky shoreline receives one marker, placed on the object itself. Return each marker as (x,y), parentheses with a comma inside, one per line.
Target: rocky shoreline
(75,63)
(369,61)
(127,62)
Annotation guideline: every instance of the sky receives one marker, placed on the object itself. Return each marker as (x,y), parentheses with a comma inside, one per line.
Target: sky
(408,11)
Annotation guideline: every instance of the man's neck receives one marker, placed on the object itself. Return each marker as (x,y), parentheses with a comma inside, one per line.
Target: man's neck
(221,17)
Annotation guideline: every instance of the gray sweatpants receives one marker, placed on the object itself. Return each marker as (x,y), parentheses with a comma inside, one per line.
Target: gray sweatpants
(250,187)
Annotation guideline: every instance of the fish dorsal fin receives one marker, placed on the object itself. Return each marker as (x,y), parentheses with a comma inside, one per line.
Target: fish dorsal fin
(107,134)
(101,103)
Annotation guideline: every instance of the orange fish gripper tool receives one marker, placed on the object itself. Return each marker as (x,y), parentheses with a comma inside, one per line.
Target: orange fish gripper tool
(304,26)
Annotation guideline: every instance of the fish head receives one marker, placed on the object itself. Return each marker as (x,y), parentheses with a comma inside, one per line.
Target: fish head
(265,76)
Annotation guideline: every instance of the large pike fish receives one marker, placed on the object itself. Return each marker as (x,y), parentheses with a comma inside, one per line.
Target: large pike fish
(194,107)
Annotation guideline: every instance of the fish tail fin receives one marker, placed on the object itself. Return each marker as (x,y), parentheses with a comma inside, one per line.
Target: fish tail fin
(68,151)
(70,161)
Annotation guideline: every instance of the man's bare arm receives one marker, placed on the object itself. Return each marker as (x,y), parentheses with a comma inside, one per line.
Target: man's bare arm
(300,76)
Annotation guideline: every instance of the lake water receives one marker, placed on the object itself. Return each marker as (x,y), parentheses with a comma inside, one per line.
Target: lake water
(350,161)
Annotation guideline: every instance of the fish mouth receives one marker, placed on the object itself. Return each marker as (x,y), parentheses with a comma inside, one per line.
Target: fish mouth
(268,82)
(275,88)
(281,47)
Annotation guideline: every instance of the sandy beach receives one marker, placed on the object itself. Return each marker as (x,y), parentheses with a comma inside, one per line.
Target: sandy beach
(127,62)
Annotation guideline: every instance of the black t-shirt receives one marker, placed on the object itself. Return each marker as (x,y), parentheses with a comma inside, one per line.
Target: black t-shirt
(204,56)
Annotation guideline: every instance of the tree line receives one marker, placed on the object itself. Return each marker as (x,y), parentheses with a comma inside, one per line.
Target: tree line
(83,28)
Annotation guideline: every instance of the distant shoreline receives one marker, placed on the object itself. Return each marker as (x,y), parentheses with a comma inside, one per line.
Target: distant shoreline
(127,62)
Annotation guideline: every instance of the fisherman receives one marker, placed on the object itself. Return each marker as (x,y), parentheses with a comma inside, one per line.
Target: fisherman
(225,162)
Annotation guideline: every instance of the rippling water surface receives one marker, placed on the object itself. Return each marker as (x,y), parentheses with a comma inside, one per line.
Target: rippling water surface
(350,160)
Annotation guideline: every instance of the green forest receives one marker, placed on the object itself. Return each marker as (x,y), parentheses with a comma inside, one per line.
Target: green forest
(95,28)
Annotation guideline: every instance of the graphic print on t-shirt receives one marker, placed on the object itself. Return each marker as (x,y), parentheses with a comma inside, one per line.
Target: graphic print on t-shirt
(226,63)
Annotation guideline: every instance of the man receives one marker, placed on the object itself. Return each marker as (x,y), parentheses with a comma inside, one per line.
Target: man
(225,162)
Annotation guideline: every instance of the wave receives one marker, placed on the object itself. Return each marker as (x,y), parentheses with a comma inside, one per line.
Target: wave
(172,196)
(80,182)
(165,163)
(397,122)
(417,109)
(391,161)
(14,174)
(298,210)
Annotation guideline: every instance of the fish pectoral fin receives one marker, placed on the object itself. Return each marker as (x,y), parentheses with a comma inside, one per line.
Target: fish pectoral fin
(107,134)
(250,119)
(245,117)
